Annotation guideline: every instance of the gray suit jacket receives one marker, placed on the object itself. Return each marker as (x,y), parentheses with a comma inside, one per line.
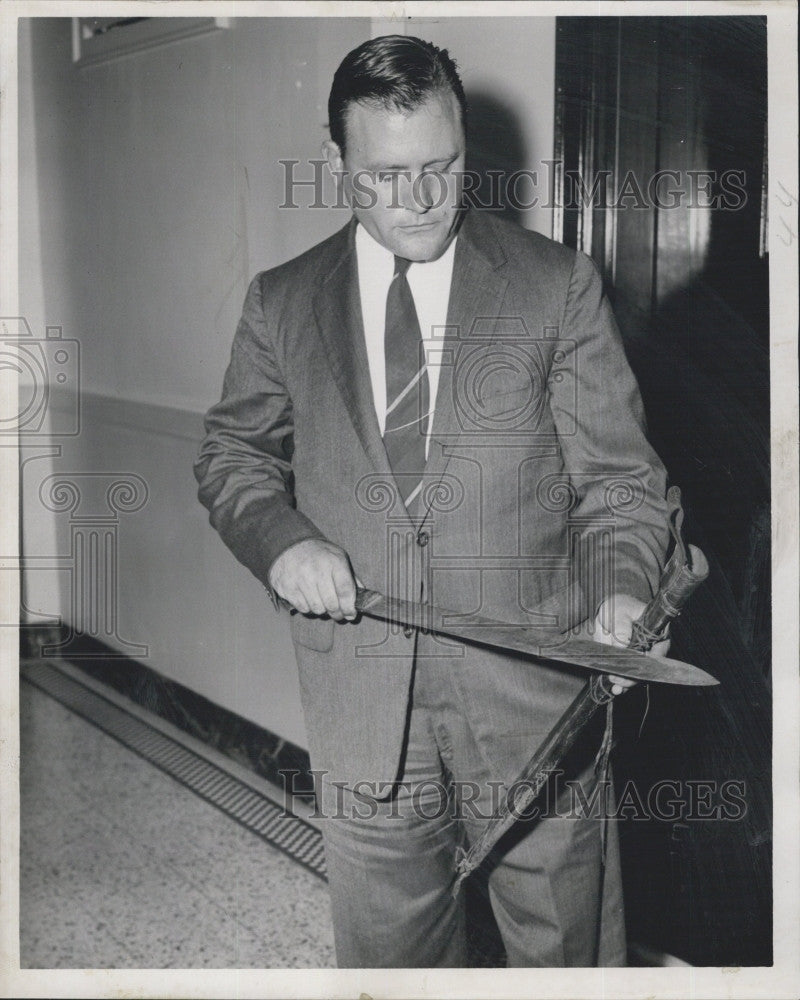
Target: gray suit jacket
(542,494)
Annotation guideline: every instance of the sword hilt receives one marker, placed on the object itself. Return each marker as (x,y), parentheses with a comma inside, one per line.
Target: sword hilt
(685,570)
(365,598)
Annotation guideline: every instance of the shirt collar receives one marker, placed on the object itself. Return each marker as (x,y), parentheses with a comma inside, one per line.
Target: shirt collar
(376,256)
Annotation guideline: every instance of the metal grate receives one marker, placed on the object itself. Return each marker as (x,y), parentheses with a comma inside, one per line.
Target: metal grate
(259,814)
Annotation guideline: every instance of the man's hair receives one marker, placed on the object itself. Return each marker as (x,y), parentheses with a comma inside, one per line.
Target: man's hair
(397,72)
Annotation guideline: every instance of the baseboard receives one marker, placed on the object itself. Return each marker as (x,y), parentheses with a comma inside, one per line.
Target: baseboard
(263,752)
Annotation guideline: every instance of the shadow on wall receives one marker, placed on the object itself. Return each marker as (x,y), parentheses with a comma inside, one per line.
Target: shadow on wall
(495,147)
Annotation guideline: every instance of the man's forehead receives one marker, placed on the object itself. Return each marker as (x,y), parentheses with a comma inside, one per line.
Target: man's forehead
(378,131)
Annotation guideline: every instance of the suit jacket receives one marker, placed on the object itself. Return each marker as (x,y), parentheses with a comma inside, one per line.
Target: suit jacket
(541,493)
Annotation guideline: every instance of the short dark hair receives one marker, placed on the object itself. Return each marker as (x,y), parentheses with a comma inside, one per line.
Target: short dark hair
(398,72)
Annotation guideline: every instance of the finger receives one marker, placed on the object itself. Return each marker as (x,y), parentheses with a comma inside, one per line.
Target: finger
(623,682)
(345,591)
(661,648)
(602,635)
(297,600)
(620,684)
(329,597)
(311,593)
(621,633)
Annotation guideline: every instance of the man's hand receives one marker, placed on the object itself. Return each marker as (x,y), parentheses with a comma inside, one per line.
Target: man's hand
(614,627)
(315,577)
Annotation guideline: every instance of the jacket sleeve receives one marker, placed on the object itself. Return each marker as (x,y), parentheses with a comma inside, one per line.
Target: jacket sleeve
(616,476)
(244,467)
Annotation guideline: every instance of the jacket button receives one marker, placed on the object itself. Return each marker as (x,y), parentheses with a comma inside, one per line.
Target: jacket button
(422,539)
(408,631)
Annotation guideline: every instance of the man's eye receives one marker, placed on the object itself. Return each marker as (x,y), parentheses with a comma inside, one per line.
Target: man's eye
(385,178)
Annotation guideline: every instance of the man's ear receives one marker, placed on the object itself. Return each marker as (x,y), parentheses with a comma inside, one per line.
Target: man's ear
(333,155)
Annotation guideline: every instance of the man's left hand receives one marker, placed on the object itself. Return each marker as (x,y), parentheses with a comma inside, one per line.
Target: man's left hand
(614,627)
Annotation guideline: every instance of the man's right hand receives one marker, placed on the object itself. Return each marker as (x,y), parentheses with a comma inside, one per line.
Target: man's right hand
(315,577)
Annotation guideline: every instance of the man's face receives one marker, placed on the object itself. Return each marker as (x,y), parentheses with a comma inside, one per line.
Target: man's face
(402,173)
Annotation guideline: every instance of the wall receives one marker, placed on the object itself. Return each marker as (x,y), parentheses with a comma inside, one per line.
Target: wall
(151,193)
(508,66)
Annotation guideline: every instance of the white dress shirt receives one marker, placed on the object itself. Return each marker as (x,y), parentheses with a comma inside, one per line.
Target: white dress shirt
(429,282)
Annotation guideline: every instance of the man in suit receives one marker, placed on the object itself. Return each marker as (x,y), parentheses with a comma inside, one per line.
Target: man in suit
(436,404)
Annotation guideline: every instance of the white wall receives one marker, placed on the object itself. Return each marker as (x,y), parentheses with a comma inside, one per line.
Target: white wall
(508,67)
(152,194)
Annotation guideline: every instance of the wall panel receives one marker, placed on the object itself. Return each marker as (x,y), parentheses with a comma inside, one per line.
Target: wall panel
(152,194)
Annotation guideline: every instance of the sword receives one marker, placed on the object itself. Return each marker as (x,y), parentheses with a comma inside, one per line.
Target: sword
(684,572)
(540,642)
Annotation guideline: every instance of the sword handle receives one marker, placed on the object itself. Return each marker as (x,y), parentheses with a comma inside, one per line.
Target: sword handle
(685,570)
(364,599)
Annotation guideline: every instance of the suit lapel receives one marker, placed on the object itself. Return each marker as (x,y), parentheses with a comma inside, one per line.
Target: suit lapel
(477,292)
(337,307)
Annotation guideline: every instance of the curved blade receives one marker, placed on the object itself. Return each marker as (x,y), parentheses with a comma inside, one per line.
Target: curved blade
(542,643)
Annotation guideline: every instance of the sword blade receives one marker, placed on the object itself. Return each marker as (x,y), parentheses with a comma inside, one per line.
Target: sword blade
(539,642)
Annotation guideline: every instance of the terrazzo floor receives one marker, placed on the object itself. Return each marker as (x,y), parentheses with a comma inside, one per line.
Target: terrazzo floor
(123,867)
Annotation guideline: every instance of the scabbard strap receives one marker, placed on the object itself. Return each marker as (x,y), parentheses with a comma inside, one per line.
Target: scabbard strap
(601,693)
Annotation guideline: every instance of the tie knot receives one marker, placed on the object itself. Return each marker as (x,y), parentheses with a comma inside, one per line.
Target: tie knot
(401,265)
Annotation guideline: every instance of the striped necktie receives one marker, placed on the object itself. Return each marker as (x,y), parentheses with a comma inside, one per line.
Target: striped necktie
(407,389)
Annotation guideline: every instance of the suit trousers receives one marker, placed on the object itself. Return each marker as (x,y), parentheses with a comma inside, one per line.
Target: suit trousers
(554,881)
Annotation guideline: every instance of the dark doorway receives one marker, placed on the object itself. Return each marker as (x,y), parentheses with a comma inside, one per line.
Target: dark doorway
(661,150)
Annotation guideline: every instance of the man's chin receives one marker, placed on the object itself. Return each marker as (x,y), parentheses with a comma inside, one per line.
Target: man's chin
(421,243)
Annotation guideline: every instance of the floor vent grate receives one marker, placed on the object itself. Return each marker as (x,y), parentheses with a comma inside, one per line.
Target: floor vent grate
(259,814)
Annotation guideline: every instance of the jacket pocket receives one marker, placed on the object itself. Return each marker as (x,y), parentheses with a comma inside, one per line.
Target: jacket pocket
(313,633)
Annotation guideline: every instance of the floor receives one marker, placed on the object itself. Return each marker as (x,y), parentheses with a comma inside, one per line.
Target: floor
(121,866)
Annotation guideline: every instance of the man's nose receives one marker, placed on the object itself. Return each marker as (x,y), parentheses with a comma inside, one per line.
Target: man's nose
(420,194)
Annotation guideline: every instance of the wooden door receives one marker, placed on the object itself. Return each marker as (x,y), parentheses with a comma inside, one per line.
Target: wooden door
(661,165)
